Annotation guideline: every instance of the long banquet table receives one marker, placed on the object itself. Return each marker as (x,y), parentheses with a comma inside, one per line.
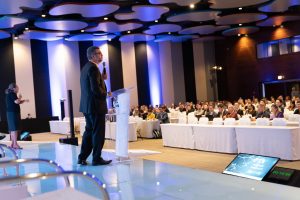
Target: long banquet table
(277,141)
(282,142)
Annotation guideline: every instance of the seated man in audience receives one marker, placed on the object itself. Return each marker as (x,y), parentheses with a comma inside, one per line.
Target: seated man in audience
(297,111)
(189,109)
(231,113)
(211,114)
(162,115)
(275,112)
(262,112)
(181,107)
(222,112)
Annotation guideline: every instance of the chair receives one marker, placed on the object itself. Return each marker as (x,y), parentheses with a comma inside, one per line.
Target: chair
(262,121)
(294,117)
(217,121)
(192,119)
(229,121)
(182,119)
(279,122)
(244,121)
(203,120)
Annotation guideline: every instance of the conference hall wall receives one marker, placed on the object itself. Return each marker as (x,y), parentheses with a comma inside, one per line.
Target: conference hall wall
(243,72)
(162,72)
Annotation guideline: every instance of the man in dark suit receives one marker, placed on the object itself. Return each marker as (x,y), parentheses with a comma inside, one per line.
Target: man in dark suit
(93,106)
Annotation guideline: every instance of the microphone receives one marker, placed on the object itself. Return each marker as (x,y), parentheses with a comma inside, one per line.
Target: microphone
(104,72)
(104,69)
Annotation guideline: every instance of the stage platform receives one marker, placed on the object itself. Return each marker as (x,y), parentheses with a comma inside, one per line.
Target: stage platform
(144,179)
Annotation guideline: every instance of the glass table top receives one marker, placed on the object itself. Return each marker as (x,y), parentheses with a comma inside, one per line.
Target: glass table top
(144,179)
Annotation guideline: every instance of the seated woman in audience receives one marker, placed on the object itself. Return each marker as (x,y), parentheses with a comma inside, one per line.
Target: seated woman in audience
(231,112)
(279,104)
(144,112)
(151,115)
(275,112)
(198,111)
(251,111)
(211,114)
(292,106)
(238,109)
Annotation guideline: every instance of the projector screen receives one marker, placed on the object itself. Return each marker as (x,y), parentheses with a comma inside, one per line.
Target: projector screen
(251,166)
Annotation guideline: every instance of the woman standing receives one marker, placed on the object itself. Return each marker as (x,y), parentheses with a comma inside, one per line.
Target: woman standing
(13,113)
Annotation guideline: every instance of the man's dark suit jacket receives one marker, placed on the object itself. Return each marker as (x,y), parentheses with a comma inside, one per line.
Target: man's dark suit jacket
(93,90)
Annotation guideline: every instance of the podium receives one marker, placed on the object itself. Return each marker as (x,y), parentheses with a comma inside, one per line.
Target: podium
(121,102)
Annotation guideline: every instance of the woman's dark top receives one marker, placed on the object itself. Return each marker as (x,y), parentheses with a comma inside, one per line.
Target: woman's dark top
(11,106)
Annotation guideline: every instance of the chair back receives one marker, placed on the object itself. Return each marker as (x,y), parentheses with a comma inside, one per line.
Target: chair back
(262,121)
(279,122)
(217,121)
(203,120)
(229,121)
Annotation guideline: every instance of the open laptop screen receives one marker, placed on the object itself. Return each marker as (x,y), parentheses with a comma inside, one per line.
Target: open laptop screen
(251,166)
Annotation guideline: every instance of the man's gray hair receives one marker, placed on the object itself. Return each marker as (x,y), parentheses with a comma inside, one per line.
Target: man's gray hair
(91,51)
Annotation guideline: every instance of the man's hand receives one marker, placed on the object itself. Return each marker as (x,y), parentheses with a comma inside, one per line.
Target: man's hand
(109,94)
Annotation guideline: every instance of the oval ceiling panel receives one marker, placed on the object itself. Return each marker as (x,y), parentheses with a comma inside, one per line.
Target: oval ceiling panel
(197,16)
(136,38)
(240,18)
(14,6)
(143,13)
(4,34)
(163,28)
(113,27)
(43,35)
(85,10)
(178,2)
(91,37)
(9,22)
(279,5)
(278,20)
(227,4)
(61,25)
(240,30)
(203,30)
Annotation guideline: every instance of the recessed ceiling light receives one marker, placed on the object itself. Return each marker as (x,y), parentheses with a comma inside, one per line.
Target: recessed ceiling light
(281,26)
(274,25)
(156,21)
(246,35)
(239,35)
(16,37)
(43,15)
(26,28)
(192,6)
(240,24)
(109,39)
(82,31)
(240,8)
(169,33)
(105,18)
(128,31)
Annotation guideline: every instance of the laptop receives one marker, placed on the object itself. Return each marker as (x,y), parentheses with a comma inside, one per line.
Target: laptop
(251,166)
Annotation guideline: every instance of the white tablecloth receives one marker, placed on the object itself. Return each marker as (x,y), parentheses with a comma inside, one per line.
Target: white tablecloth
(217,138)
(178,135)
(146,127)
(282,142)
(110,130)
